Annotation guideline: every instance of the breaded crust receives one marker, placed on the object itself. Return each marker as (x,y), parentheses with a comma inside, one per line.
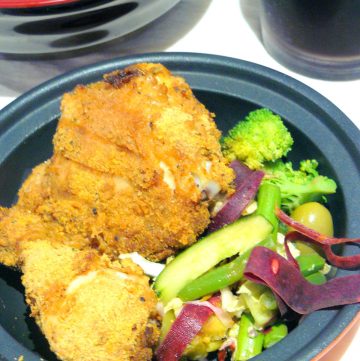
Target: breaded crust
(136,163)
(88,307)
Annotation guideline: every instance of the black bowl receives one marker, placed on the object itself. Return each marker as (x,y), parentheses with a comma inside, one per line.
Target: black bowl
(230,88)
(74,25)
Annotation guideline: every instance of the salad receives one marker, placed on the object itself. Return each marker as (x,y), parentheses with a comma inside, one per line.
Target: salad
(265,259)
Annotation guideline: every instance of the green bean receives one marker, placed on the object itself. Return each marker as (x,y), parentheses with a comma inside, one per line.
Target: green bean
(316,278)
(310,263)
(249,341)
(268,198)
(275,334)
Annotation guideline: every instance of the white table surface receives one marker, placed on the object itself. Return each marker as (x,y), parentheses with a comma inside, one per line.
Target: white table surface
(223,27)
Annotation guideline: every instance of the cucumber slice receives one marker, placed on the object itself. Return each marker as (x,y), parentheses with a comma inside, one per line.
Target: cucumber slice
(208,252)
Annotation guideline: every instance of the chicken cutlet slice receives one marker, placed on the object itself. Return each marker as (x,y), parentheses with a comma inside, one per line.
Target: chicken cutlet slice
(136,165)
(19,226)
(88,307)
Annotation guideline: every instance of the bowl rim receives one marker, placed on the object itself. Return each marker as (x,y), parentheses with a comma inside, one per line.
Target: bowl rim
(126,18)
(182,64)
(17,4)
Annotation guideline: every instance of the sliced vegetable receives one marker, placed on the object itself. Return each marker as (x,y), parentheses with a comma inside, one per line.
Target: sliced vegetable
(268,300)
(247,183)
(233,304)
(185,327)
(289,255)
(235,238)
(275,334)
(227,274)
(167,321)
(309,235)
(222,315)
(346,262)
(260,302)
(250,341)
(220,277)
(307,263)
(337,261)
(212,335)
(269,268)
(209,339)
(241,171)
(316,236)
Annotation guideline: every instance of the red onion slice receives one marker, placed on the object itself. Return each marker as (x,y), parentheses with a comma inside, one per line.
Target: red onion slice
(289,255)
(318,237)
(241,171)
(186,326)
(306,234)
(247,183)
(346,262)
(270,269)
(222,315)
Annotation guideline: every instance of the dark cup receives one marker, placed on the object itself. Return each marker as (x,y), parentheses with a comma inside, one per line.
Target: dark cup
(317,38)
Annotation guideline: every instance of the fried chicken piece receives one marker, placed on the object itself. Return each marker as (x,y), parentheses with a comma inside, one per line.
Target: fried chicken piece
(88,307)
(136,165)
(18,225)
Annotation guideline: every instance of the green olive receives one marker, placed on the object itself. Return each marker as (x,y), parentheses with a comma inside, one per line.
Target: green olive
(315,216)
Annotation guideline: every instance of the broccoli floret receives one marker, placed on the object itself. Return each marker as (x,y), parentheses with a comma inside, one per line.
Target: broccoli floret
(298,186)
(260,137)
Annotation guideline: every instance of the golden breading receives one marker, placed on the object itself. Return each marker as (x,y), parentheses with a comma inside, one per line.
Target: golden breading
(18,225)
(88,307)
(136,163)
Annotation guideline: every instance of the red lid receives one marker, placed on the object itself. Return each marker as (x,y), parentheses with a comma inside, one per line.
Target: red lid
(32,3)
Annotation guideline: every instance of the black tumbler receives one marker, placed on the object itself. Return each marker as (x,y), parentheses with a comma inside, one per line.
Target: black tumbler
(317,38)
